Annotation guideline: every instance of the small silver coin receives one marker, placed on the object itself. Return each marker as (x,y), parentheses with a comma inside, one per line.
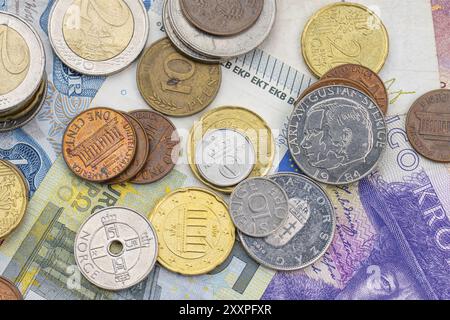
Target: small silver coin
(259,207)
(225,157)
(116,248)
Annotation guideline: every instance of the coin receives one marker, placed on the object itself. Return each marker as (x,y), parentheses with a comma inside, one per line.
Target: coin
(258,207)
(173,84)
(343,33)
(8,291)
(99,144)
(98,37)
(367,78)
(307,233)
(225,157)
(428,125)
(195,231)
(222,17)
(337,135)
(14,198)
(116,248)
(241,120)
(164,146)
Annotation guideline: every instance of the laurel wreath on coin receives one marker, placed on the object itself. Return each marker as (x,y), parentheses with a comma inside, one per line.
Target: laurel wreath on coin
(161,103)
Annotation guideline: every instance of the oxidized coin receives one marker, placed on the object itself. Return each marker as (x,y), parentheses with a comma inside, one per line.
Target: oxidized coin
(164,146)
(367,78)
(258,207)
(194,230)
(343,33)
(116,248)
(225,157)
(8,291)
(337,135)
(428,125)
(173,84)
(14,198)
(307,233)
(99,144)
(222,17)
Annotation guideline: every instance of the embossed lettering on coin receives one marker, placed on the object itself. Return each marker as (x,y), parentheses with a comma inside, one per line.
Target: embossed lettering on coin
(8,291)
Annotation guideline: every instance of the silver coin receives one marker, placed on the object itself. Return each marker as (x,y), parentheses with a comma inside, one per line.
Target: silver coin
(337,135)
(225,157)
(116,248)
(23,61)
(307,233)
(217,46)
(75,13)
(259,207)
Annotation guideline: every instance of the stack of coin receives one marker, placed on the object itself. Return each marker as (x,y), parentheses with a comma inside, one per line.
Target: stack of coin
(23,83)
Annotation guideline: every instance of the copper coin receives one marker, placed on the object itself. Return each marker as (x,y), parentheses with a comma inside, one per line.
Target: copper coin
(164,146)
(8,291)
(222,17)
(428,125)
(99,144)
(367,78)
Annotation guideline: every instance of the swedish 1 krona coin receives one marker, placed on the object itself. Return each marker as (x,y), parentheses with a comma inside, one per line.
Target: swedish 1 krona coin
(337,134)
(116,248)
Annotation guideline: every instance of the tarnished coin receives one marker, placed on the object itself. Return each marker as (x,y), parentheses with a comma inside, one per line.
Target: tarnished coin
(98,37)
(307,233)
(173,84)
(164,146)
(195,231)
(258,207)
(337,134)
(343,33)
(428,125)
(370,81)
(8,291)
(116,248)
(222,17)
(99,144)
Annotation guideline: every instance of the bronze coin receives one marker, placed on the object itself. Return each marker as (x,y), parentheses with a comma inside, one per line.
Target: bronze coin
(367,78)
(8,291)
(99,144)
(428,125)
(222,17)
(164,146)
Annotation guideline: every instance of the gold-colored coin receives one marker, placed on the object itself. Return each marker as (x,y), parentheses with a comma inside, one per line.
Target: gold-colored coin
(13,198)
(195,231)
(175,85)
(244,121)
(344,33)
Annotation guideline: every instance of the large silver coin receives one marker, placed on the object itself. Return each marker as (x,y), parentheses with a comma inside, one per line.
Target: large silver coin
(98,37)
(258,207)
(337,134)
(116,248)
(217,46)
(225,157)
(307,233)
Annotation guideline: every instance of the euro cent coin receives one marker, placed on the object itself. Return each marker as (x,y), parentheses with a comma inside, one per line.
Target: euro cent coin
(8,291)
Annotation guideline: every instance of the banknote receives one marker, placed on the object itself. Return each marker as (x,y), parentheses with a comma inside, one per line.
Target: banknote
(441,17)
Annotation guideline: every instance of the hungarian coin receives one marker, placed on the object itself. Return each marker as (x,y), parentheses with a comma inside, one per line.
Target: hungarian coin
(337,135)
(194,230)
(343,33)
(307,233)
(225,157)
(98,37)
(116,248)
(164,146)
(8,291)
(173,84)
(99,144)
(222,17)
(428,125)
(258,207)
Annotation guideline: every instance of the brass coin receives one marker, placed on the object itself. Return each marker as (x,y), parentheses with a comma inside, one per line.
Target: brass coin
(8,291)
(175,85)
(195,231)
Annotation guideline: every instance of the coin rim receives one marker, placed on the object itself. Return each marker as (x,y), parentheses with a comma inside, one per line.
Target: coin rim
(13,288)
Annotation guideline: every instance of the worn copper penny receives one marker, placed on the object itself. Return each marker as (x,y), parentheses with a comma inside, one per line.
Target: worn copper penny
(222,17)
(367,78)
(8,291)
(164,146)
(428,125)
(99,144)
